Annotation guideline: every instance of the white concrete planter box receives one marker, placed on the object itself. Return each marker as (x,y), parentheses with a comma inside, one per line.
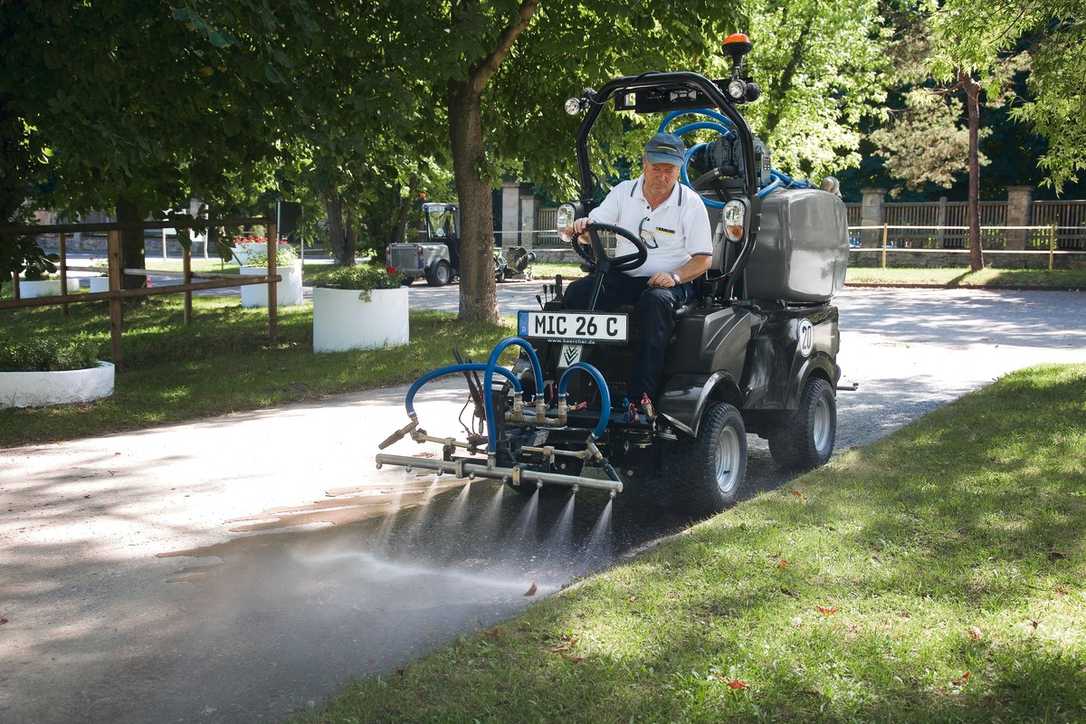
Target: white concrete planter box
(45,287)
(99,284)
(288,291)
(38,389)
(342,321)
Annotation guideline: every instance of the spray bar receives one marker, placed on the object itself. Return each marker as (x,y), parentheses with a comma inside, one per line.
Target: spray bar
(463,468)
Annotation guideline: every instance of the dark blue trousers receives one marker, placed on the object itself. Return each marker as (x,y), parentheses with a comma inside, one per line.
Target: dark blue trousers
(655,313)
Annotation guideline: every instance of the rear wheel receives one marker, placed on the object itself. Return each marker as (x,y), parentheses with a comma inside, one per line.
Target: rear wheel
(439,274)
(708,471)
(407,281)
(804,439)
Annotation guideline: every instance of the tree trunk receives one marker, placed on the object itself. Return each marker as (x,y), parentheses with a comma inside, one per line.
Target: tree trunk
(478,295)
(972,104)
(338,238)
(398,230)
(132,244)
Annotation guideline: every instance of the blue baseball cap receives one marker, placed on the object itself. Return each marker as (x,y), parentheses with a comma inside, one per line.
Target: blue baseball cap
(665,148)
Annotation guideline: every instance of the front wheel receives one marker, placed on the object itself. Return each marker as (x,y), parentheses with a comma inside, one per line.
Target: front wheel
(709,470)
(439,274)
(804,439)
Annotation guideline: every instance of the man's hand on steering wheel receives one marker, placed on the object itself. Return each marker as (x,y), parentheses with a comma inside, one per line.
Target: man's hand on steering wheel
(589,246)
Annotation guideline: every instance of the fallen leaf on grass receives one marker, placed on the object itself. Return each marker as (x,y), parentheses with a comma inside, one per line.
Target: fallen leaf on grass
(961,680)
(797,493)
(975,633)
(532,590)
(782,564)
(567,643)
(826,610)
(737,684)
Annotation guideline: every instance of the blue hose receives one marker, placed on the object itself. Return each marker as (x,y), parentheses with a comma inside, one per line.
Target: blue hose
(769,188)
(409,399)
(605,394)
(695,112)
(488,380)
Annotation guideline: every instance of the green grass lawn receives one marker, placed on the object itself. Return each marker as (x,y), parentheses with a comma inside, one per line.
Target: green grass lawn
(222,363)
(937,575)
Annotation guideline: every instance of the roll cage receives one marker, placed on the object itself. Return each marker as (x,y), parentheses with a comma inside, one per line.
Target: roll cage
(656,92)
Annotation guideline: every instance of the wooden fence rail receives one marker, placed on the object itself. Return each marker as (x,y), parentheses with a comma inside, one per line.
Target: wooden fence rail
(115,269)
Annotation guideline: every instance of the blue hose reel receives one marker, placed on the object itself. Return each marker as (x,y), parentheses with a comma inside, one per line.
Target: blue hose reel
(722,125)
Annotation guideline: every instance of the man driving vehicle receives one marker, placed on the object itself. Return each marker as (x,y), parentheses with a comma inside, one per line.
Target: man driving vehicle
(672,222)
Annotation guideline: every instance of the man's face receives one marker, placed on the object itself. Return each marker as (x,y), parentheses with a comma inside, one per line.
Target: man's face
(660,178)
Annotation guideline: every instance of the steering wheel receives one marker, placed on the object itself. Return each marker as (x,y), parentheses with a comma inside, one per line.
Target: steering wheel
(596,256)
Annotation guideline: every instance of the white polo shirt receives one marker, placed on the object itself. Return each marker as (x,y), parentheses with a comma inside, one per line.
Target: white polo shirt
(679,227)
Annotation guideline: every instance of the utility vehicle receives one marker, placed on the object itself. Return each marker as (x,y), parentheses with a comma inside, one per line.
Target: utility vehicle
(436,257)
(754,352)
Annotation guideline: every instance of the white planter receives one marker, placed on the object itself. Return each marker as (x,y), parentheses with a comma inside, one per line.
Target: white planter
(342,321)
(43,288)
(37,389)
(99,284)
(288,292)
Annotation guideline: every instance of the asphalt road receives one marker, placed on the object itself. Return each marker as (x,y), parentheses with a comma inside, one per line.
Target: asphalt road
(244,567)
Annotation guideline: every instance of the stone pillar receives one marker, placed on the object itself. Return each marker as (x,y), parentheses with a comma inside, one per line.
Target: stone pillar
(527,221)
(510,213)
(1019,213)
(871,214)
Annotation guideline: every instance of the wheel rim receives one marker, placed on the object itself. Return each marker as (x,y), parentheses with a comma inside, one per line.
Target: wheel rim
(822,426)
(726,459)
(443,273)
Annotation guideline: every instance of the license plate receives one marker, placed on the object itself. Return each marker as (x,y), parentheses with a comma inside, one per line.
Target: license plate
(579,327)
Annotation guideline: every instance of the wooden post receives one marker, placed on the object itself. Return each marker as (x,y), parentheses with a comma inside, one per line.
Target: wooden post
(64,270)
(116,320)
(15,286)
(1051,248)
(885,240)
(273,302)
(186,267)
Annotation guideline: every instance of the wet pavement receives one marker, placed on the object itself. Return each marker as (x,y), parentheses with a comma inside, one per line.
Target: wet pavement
(245,567)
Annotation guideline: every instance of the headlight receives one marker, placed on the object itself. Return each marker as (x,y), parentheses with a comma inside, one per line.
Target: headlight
(573,106)
(567,214)
(734,219)
(737,89)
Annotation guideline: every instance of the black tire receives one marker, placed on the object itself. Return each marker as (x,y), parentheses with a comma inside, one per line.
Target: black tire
(708,472)
(407,281)
(803,439)
(439,274)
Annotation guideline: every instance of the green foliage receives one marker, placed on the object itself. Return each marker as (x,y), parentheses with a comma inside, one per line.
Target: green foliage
(284,255)
(45,355)
(22,255)
(363,277)
(926,142)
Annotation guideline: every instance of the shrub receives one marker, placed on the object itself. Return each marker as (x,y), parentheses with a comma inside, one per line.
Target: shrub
(45,355)
(284,255)
(363,277)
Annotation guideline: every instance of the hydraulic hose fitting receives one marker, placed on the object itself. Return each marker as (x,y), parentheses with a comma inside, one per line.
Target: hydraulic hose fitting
(563,410)
(518,409)
(540,409)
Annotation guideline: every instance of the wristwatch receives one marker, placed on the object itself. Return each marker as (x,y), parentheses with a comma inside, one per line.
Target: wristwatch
(676,278)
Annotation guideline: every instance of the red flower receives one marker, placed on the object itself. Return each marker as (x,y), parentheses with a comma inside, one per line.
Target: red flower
(391,270)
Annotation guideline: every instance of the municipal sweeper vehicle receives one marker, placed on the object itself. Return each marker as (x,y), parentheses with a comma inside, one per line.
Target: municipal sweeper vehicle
(755,352)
